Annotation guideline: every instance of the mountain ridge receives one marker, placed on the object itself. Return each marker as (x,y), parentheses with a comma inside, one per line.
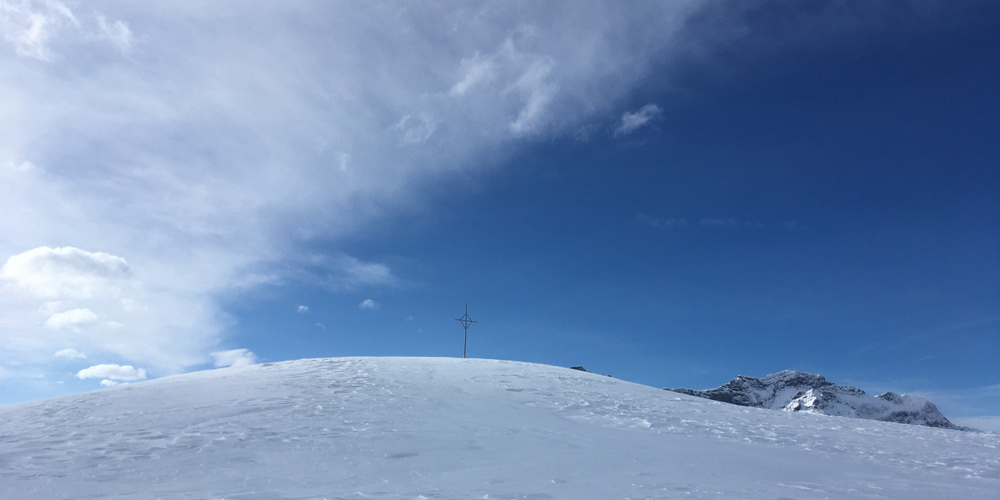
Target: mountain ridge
(796,391)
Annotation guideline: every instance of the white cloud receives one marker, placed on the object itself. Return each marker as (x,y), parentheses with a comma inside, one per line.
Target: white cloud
(235,357)
(303,309)
(70,353)
(70,319)
(632,121)
(368,304)
(50,273)
(108,383)
(112,372)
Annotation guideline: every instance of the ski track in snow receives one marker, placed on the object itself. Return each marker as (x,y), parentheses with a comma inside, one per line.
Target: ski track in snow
(436,428)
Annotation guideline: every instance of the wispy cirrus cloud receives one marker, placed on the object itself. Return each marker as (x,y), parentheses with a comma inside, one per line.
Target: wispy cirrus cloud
(664,223)
(342,272)
(31,26)
(415,129)
(707,222)
(116,32)
(37,29)
(634,120)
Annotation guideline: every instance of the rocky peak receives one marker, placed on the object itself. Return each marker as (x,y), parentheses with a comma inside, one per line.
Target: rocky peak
(807,392)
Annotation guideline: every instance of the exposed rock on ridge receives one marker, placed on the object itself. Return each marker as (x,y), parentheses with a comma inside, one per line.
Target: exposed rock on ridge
(806,392)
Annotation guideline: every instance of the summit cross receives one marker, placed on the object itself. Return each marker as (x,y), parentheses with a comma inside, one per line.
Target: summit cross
(466,321)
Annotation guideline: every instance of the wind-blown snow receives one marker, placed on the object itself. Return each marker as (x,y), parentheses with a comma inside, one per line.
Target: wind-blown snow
(422,428)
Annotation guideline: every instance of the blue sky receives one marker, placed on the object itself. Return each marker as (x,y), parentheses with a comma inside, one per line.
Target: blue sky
(670,193)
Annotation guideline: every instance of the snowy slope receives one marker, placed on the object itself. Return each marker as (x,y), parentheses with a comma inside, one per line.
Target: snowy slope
(810,393)
(420,428)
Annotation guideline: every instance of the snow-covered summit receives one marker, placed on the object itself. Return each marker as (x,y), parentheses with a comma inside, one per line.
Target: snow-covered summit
(811,393)
(425,428)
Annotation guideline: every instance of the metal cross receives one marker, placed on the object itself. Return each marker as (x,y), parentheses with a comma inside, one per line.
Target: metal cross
(466,321)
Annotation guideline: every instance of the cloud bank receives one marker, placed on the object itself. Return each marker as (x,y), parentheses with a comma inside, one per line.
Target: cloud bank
(93,302)
(146,173)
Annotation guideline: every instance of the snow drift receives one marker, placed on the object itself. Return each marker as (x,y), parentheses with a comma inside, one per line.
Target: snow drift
(420,428)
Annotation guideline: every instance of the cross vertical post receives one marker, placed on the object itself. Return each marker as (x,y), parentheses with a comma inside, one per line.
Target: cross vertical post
(466,321)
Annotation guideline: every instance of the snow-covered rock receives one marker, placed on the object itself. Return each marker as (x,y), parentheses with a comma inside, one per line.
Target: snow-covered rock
(806,392)
(422,428)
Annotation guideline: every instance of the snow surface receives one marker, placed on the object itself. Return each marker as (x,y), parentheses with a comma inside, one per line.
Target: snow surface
(431,428)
